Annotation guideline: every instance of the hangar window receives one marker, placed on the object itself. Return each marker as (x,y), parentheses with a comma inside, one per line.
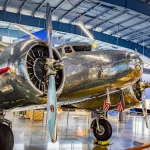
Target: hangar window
(82,48)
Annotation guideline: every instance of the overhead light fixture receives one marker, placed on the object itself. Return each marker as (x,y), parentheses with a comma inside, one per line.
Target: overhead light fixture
(86,31)
(25,31)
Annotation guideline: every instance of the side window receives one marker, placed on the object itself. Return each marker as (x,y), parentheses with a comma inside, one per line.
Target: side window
(82,48)
(68,49)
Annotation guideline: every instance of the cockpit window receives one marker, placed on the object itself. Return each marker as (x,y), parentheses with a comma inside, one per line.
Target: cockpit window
(82,48)
(68,49)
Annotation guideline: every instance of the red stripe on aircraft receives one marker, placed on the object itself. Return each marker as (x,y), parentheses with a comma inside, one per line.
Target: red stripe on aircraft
(4,70)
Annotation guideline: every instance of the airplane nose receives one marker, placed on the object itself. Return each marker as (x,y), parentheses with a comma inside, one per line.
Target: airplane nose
(135,63)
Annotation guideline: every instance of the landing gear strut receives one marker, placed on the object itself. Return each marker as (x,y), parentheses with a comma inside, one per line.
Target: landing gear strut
(6,134)
(102,129)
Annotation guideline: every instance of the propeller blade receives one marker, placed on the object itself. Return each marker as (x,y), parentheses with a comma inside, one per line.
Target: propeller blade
(52,108)
(51,96)
(144,108)
(49,29)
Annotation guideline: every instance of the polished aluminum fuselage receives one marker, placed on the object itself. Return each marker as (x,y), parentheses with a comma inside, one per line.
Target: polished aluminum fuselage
(90,73)
(87,75)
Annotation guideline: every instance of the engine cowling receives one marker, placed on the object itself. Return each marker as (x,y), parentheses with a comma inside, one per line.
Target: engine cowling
(35,61)
(26,80)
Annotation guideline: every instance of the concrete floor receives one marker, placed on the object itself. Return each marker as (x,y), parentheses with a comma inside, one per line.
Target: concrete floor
(33,135)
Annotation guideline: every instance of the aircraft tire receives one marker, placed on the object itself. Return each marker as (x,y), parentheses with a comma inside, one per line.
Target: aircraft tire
(6,138)
(105,130)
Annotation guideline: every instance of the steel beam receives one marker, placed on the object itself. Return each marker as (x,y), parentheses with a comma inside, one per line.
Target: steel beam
(5,6)
(75,7)
(119,23)
(148,44)
(91,8)
(10,32)
(17,33)
(9,26)
(111,18)
(101,14)
(25,20)
(23,4)
(143,41)
(68,28)
(133,25)
(32,30)
(58,5)
(40,6)
(135,32)
(139,36)
(135,5)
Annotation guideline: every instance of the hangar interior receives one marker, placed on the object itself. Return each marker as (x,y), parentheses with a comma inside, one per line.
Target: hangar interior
(116,26)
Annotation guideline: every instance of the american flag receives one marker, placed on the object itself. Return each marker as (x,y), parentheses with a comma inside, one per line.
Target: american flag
(106,105)
(120,106)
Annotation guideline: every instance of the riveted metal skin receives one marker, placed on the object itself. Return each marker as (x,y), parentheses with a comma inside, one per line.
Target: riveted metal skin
(89,73)
(85,76)
(16,86)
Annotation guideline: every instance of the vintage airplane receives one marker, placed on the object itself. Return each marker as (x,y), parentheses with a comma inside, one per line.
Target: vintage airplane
(81,76)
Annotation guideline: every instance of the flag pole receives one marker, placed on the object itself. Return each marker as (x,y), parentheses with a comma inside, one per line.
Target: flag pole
(108,96)
(107,102)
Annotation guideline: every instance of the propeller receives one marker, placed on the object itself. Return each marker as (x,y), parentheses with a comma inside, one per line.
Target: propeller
(51,96)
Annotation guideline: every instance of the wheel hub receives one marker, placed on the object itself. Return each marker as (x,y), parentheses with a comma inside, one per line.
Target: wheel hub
(101,130)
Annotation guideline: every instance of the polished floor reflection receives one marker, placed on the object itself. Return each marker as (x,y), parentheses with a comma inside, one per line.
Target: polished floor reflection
(76,134)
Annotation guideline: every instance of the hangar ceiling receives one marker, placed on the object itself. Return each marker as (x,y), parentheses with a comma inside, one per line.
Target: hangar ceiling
(124,23)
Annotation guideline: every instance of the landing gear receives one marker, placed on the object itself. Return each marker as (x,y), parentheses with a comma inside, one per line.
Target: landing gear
(102,129)
(6,134)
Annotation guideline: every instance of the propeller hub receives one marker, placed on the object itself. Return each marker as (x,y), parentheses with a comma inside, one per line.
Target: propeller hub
(52,66)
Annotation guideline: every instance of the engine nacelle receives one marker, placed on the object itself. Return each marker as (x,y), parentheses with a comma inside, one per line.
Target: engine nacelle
(26,80)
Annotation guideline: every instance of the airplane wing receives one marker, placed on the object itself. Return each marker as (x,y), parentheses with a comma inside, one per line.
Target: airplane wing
(98,101)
